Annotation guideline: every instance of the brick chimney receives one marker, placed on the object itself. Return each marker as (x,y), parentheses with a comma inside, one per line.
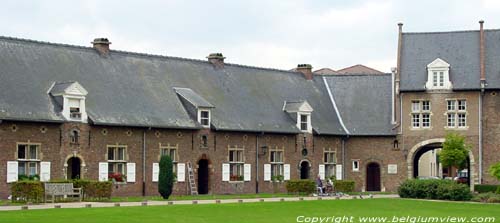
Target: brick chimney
(481,51)
(216,59)
(305,69)
(101,45)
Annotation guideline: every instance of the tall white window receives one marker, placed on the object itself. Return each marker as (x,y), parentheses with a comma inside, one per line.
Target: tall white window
(456,115)
(438,75)
(303,122)
(117,163)
(28,159)
(236,163)
(170,150)
(421,114)
(276,160)
(355,165)
(329,160)
(204,118)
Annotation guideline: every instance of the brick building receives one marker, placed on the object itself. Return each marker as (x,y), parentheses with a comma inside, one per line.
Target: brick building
(96,113)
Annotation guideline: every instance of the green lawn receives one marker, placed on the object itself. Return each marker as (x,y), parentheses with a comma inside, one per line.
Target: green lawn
(257,212)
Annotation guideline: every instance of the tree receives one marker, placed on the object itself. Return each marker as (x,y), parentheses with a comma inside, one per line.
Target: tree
(454,152)
(166,177)
(495,170)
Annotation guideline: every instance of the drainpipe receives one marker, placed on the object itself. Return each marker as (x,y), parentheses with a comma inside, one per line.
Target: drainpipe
(257,163)
(343,156)
(480,139)
(144,162)
(483,85)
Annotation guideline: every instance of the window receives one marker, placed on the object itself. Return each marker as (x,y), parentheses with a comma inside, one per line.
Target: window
(204,118)
(74,113)
(355,165)
(204,141)
(236,162)
(421,114)
(330,160)
(117,156)
(456,116)
(303,122)
(74,137)
(276,160)
(28,159)
(170,150)
(438,75)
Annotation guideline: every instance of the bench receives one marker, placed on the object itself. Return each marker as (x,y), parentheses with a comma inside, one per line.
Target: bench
(62,189)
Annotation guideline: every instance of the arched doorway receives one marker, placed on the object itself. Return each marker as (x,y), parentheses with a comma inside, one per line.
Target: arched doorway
(74,168)
(203,175)
(373,177)
(304,169)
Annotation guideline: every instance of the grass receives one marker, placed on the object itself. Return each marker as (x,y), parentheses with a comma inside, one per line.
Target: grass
(199,197)
(257,212)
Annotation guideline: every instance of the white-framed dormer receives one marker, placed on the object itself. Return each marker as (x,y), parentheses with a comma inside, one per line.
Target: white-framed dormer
(302,111)
(72,96)
(204,117)
(438,75)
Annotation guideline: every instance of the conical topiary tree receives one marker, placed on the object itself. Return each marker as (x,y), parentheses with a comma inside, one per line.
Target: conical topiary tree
(166,177)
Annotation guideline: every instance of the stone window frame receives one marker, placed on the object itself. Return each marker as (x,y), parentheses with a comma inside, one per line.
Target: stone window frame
(329,166)
(277,166)
(114,164)
(204,121)
(28,161)
(457,112)
(421,116)
(353,167)
(236,165)
(169,148)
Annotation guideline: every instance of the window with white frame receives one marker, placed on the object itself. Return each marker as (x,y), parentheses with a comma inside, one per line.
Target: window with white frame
(236,163)
(456,115)
(421,114)
(117,162)
(329,159)
(170,150)
(204,118)
(304,122)
(28,158)
(355,165)
(276,160)
(438,75)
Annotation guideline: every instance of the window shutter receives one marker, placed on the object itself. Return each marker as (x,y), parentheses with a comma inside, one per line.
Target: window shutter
(286,172)
(321,171)
(267,172)
(12,173)
(130,172)
(181,172)
(225,172)
(338,174)
(247,172)
(44,171)
(103,171)
(156,171)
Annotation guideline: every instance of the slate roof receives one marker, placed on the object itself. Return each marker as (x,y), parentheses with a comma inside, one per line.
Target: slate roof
(195,99)
(358,69)
(60,88)
(492,58)
(364,102)
(460,49)
(133,89)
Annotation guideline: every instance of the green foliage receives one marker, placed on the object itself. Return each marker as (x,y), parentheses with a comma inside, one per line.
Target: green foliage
(487,198)
(277,178)
(27,191)
(454,152)
(166,177)
(495,170)
(92,190)
(498,190)
(23,177)
(301,186)
(434,189)
(345,186)
(484,188)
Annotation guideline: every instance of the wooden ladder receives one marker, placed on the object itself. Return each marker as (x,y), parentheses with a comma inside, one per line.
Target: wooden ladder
(192,184)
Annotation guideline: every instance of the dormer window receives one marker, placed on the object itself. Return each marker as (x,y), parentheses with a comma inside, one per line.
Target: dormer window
(438,75)
(204,118)
(301,112)
(70,97)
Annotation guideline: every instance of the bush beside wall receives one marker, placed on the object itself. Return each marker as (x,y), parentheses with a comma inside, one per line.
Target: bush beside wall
(27,191)
(434,189)
(344,186)
(301,186)
(485,188)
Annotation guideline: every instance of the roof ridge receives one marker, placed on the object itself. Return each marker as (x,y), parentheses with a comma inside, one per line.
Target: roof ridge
(140,54)
(371,75)
(452,31)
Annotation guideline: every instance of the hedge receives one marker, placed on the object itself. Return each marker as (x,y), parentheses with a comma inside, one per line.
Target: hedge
(434,189)
(344,186)
(300,186)
(485,188)
(27,191)
(92,190)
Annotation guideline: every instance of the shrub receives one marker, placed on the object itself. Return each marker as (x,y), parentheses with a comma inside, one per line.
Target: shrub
(27,191)
(485,188)
(301,186)
(495,170)
(498,190)
(344,186)
(487,198)
(434,189)
(166,177)
(96,190)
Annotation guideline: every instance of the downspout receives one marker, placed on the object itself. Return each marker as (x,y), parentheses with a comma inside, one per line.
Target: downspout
(257,164)
(343,156)
(144,162)
(480,139)
(483,85)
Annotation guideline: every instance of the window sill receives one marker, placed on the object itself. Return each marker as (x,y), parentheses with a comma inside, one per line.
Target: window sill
(457,128)
(236,182)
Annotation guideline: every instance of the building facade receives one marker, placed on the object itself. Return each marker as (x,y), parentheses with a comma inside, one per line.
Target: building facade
(93,113)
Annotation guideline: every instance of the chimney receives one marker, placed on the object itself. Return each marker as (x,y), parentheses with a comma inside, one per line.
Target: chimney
(217,59)
(400,44)
(305,69)
(101,45)
(481,52)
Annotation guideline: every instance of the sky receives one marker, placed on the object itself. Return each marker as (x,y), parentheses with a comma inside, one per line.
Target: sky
(263,33)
